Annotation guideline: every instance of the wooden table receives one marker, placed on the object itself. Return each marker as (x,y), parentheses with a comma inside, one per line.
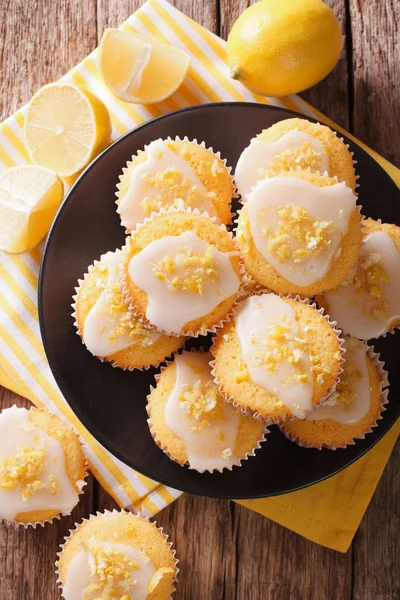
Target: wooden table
(226,551)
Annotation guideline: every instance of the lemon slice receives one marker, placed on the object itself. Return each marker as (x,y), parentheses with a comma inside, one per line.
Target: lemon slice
(29,198)
(140,69)
(66,127)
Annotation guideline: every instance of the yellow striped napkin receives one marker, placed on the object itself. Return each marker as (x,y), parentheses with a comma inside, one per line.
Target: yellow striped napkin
(23,365)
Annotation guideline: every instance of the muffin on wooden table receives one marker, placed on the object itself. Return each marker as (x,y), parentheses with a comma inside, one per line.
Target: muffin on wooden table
(42,466)
(117,555)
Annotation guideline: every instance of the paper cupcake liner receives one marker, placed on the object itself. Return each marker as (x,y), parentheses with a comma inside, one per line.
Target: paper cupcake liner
(81,487)
(115,512)
(217,154)
(129,301)
(113,362)
(384,391)
(239,462)
(278,420)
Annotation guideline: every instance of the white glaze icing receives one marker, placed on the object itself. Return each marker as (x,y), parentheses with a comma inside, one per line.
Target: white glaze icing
(101,324)
(256,320)
(260,157)
(18,432)
(161,159)
(354,308)
(332,205)
(355,381)
(170,309)
(81,574)
(211,446)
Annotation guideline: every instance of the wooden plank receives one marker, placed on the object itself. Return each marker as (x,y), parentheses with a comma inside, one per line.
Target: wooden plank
(52,35)
(203,533)
(111,13)
(376,72)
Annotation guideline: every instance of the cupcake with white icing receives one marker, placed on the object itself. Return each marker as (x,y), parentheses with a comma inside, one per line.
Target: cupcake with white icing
(191,421)
(181,273)
(299,232)
(294,144)
(367,304)
(117,555)
(352,410)
(277,358)
(42,466)
(108,329)
(169,172)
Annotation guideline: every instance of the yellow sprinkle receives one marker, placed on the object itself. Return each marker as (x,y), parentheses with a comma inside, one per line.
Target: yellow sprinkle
(304,158)
(242,376)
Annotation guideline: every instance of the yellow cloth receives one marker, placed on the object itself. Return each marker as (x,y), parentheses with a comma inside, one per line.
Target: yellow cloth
(312,512)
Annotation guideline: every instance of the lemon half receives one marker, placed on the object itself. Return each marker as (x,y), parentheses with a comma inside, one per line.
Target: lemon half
(66,127)
(29,198)
(140,69)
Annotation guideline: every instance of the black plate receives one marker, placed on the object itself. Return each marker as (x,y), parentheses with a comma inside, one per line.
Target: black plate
(111,402)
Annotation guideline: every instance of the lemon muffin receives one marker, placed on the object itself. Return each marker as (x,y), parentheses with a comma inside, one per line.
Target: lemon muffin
(294,144)
(192,422)
(42,466)
(106,326)
(352,410)
(367,304)
(300,232)
(172,171)
(277,358)
(117,555)
(181,273)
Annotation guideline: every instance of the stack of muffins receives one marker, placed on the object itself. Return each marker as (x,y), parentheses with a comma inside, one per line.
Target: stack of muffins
(273,292)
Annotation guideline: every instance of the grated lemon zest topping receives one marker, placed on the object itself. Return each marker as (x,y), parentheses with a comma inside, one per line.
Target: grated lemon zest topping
(170,188)
(302,158)
(110,573)
(187,271)
(298,236)
(370,278)
(127,322)
(20,471)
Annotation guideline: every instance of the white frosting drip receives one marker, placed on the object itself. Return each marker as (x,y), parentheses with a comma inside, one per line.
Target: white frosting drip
(253,320)
(170,310)
(356,360)
(204,447)
(331,203)
(259,157)
(160,159)
(17,431)
(351,307)
(79,573)
(101,323)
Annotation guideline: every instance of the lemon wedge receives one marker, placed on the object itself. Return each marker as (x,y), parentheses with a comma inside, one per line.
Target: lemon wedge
(140,69)
(29,198)
(66,127)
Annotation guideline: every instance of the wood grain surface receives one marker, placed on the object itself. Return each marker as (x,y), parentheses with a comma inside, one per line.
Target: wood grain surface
(226,551)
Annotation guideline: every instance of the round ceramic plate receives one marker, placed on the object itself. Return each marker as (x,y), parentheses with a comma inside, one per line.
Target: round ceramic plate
(111,402)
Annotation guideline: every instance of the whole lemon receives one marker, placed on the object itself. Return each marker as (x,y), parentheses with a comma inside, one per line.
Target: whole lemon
(280,47)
